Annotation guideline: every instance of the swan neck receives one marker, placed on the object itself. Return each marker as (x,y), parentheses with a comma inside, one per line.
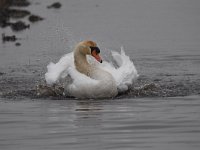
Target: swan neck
(81,62)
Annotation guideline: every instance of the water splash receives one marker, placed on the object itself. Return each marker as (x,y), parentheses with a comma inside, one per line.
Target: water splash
(27,81)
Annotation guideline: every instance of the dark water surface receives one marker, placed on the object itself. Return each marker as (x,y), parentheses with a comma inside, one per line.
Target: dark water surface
(162,109)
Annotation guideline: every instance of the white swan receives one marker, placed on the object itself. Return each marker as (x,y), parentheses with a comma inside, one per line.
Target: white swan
(102,83)
(82,79)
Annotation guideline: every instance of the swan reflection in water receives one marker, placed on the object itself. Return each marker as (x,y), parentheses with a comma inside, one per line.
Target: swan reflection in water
(82,76)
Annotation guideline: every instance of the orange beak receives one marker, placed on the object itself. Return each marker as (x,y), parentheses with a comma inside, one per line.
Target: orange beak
(96,56)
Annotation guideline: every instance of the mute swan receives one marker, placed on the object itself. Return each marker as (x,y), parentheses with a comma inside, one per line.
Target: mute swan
(84,77)
(101,84)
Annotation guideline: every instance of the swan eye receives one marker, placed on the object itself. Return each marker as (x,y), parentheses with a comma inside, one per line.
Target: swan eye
(95,48)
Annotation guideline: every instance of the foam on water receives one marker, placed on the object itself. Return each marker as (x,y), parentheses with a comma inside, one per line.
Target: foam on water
(122,69)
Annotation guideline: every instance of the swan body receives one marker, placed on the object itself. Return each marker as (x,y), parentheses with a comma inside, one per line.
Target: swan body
(83,79)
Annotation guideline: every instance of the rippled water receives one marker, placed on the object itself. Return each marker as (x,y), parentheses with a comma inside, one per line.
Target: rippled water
(162,109)
(151,123)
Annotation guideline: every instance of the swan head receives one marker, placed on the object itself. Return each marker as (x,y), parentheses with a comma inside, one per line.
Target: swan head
(92,48)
